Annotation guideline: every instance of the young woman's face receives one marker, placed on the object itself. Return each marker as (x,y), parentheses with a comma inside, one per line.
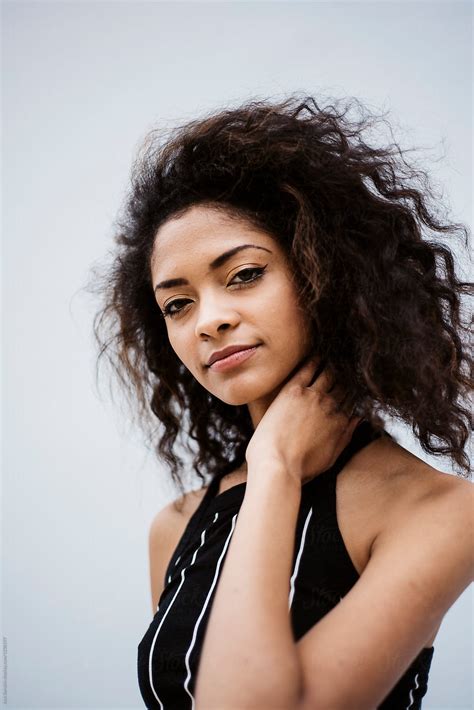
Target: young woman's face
(218,307)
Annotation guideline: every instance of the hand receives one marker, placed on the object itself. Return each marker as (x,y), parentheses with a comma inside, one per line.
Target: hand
(302,428)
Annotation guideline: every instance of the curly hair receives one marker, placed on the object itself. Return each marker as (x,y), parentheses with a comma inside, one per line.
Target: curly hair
(382,295)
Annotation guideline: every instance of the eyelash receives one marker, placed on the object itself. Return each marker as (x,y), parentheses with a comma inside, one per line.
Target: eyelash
(167,313)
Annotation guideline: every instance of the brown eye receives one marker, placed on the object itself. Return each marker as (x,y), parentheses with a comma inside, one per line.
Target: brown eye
(167,312)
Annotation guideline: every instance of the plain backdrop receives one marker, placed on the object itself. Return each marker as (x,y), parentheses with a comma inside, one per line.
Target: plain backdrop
(83,82)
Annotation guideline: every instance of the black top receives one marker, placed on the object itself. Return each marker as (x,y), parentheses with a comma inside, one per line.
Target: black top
(323,573)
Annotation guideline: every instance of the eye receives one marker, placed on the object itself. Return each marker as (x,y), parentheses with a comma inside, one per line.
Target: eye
(243,284)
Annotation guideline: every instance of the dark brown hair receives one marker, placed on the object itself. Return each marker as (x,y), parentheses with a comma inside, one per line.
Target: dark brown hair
(358,224)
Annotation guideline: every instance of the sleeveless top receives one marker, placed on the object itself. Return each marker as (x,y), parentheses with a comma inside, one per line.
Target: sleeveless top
(322,573)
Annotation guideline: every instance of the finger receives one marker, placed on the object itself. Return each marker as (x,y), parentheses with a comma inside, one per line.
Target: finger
(324,382)
(310,370)
(351,425)
(354,422)
(337,396)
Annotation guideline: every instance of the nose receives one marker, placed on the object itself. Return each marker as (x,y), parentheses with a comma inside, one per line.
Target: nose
(215,317)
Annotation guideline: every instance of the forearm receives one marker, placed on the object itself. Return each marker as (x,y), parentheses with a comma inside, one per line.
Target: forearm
(249,658)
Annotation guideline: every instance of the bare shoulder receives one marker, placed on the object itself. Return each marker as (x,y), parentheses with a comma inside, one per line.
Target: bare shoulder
(413,483)
(187,504)
(380,486)
(406,482)
(395,479)
(421,562)
(166,529)
(382,491)
(170,522)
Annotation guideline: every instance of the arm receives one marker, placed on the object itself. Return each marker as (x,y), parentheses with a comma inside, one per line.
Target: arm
(249,658)
(420,565)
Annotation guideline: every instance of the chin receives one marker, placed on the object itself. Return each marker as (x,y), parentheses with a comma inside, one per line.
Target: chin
(238,393)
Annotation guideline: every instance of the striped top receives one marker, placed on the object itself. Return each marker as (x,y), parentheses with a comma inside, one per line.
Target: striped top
(322,573)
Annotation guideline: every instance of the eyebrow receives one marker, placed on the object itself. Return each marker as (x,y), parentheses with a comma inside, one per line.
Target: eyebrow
(215,264)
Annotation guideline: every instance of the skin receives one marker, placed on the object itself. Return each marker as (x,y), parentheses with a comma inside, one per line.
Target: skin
(216,314)
(265,312)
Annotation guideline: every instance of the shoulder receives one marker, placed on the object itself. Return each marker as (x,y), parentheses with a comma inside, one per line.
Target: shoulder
(397,479)
(165,531)
(176,514)
(420,523)
(421,562)
(427,542)
(429,512)
(382,485)
(409,483)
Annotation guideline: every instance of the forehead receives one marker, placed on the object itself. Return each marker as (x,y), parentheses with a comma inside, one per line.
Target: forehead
(202,233)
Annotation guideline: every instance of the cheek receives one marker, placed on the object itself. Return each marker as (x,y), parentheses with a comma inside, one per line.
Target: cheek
(186,352)
(180,349)
(282,308)
(292,323)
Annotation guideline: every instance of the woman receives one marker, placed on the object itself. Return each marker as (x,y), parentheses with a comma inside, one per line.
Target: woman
(277,231)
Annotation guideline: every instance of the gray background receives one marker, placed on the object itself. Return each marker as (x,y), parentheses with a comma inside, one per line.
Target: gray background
(82,84)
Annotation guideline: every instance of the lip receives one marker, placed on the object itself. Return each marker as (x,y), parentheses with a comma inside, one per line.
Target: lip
(234,359)
(229,350)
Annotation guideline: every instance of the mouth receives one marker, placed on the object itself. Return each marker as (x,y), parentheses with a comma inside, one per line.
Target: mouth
(233,360)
